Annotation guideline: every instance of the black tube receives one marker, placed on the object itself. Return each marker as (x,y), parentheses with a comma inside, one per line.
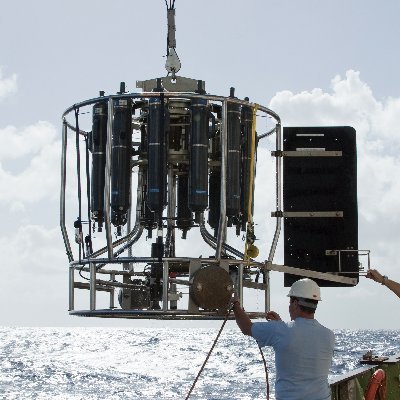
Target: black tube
(233,161)
(156,172)
(247,126)
(184,215)
(198,171)
(121,162)
(98,149)
(215,198)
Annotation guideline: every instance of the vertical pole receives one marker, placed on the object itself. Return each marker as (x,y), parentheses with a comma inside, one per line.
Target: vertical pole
(62,191)
(171,213)
(224,151)
(71,288)
(165,286)
(112,292)
(92,286)
(278,179)
(107,218)
(240,281)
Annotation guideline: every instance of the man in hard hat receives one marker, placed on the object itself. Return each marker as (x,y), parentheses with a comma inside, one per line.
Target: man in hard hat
(303,347)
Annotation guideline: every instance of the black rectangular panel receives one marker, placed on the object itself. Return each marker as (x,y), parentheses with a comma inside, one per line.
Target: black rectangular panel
(320,184)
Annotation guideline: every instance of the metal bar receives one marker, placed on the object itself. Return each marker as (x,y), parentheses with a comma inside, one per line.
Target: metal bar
(112,291)
(106,271)
(71,289)
(278,189)
(240,280)
(170,237)
(62,191)
(108,178)
(151,260)
(165,286)
(129,222)
(92,287)
(311,274)
(159,314)
(315,214)
(178,95)
(114,284)
(311,153)
(224,151)
(86,286)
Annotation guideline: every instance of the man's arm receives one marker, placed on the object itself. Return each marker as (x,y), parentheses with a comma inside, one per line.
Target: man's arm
(384,280)
(242,319)
(393,286)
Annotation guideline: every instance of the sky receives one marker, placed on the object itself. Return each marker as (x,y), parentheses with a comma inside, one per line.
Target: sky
(315,63)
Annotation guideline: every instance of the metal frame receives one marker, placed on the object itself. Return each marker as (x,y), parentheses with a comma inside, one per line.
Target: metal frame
(94,263)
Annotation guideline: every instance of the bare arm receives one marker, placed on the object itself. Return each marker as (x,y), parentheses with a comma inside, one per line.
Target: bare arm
(242,319)
(390,284)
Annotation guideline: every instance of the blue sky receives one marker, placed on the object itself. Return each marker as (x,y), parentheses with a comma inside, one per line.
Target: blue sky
(313,62)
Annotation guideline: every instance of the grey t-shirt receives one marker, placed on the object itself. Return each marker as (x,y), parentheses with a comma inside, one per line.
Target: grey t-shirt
(303,356)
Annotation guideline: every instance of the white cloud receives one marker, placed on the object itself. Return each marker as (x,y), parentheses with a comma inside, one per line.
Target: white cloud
(7,85)
(377,123)
(39,180)
(30,166)
(32,249)
(17,143)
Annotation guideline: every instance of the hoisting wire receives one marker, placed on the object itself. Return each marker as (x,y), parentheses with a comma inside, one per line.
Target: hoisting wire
(173,64)
(209,353)
(212,348)
(266,370)
(171,4)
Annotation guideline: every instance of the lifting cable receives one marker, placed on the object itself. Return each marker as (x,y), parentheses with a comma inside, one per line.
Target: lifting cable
(212,348)
(209,353)
(172,64)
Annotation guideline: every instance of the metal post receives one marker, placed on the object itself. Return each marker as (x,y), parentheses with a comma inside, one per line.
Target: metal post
(165,286)
(278,179)
(92,286)
(240,281)
(71,288)
(224,151)
(62,191)
(171,212)
(112,292)
(107,220)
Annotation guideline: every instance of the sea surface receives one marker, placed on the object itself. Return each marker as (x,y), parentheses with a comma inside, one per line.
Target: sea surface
(153,363)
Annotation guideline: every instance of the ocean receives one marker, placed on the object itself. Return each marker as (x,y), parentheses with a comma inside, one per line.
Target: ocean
(153,363)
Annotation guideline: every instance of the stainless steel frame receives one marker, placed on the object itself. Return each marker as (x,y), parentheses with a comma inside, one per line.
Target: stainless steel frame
(94,263)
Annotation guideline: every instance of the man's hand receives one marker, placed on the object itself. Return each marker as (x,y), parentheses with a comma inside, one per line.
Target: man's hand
(374,275)
(272,316)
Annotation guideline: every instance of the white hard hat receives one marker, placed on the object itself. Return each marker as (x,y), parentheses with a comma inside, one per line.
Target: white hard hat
(305,289)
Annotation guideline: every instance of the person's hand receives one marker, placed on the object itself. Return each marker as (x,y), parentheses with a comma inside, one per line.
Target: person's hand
(374,275)
(273,316)
(232,301)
